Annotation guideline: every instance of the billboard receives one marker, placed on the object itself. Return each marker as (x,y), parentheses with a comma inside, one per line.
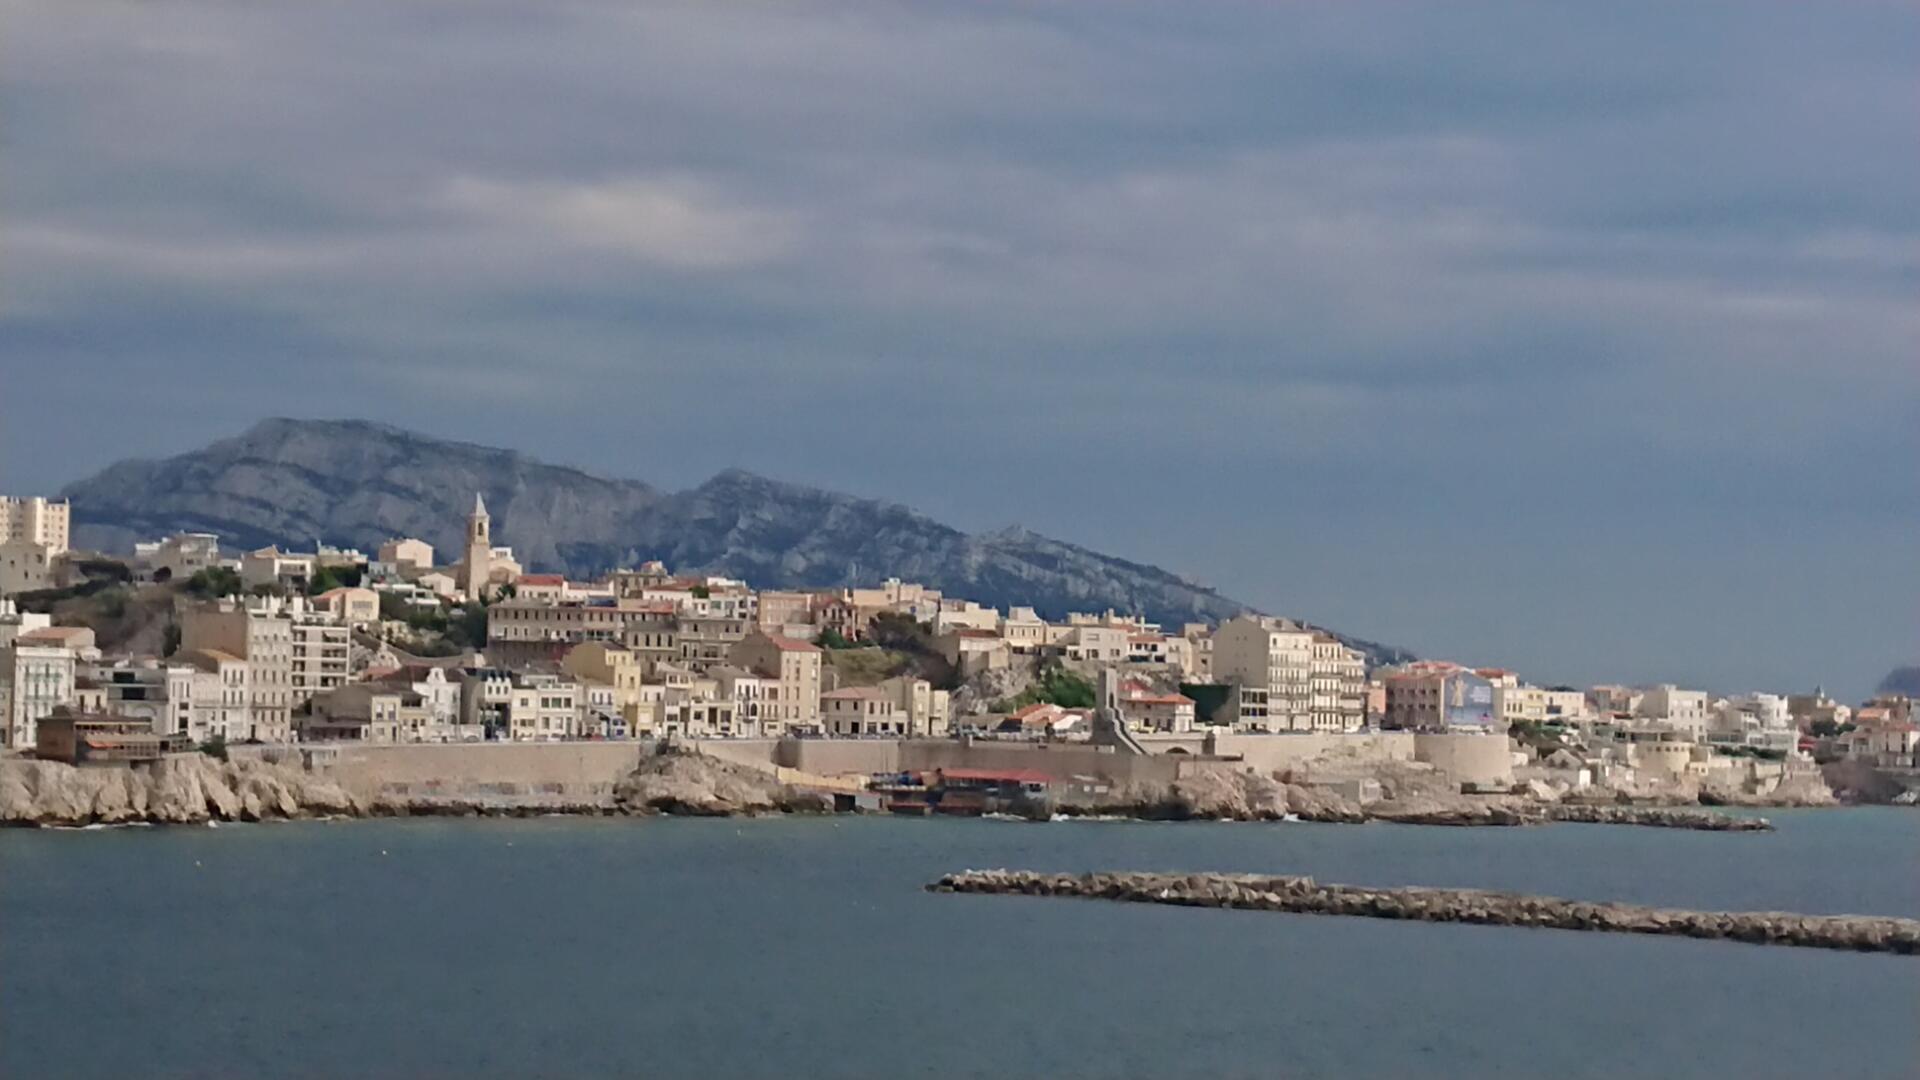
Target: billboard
(1467,701)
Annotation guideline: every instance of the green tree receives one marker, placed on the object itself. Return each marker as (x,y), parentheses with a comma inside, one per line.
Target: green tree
(215,747)
(214,581)
(170,640)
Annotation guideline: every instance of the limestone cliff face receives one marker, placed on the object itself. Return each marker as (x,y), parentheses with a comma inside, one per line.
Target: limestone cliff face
(181,789)
(359,484)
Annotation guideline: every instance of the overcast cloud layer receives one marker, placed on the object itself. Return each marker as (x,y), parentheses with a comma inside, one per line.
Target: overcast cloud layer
(1577,338)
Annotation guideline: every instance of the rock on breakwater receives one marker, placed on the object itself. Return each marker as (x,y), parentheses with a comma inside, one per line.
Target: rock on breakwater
(1302,895)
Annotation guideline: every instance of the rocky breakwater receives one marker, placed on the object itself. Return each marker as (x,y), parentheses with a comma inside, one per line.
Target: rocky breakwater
(179,789)
(1302,895)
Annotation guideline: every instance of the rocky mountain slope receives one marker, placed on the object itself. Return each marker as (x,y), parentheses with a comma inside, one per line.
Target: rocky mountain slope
(357,484)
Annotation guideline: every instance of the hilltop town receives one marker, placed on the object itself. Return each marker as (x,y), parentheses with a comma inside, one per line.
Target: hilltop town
(323,658)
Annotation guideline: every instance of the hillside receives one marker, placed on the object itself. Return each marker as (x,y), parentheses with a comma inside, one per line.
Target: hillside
(357,484)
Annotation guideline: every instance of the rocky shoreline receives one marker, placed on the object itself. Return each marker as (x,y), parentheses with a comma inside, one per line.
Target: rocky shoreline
(188,789)
(1242,796)
(1302,895)
(193,788)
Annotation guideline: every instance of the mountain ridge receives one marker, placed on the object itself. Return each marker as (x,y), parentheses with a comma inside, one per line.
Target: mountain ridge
(359,483)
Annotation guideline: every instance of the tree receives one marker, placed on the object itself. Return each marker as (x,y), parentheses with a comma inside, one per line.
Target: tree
(323,580)
(215,747)
(700,592)
(214,581)
(834,639)
(170,640)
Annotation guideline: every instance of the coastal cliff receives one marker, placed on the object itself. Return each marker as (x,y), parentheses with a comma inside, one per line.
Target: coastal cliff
(194,788)
(180,789)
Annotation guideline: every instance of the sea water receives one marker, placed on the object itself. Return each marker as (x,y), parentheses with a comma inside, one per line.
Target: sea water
(807,947)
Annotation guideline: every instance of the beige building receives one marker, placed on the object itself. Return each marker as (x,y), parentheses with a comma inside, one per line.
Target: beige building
(1566,705)
(794,707)
(859,711)
(779,609)
(974,651)
(176,558)
(1098,644)
(608,664)
(1517,703)
(407,555)
(1024,630)
(929,712)
(350,605)
(36,520)
(1150,710)
(1337,686)
(25,566)
(1271,661)
(1684,710)
(292,653)
(222,695)
(269,566)
(365,712)
(543,708)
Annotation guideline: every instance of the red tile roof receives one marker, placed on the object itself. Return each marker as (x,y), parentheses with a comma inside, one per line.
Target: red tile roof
(542,579)
(787,644)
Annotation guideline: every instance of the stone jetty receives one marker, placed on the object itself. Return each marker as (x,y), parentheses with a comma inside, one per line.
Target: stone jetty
(1303,895)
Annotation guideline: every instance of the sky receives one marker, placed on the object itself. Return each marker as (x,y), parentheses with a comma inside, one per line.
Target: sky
(1579,339)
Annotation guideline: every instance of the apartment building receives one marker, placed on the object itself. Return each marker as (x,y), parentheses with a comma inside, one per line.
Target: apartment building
(407,556)
(794,707)
(158,692)
(222,695)
(543,708)
(36,520)
(610,665)
(1437,696)
(858,711)
(292,652)
(1517,703)
(269,566)
(1271,661)
(1684,710)
(36,678)
(177,557)
(1336,686)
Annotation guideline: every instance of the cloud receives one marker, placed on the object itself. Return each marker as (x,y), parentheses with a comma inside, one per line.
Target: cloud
(677,223)
(1495,275)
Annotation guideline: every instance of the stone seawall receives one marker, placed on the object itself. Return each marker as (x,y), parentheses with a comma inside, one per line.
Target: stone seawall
(1302,895)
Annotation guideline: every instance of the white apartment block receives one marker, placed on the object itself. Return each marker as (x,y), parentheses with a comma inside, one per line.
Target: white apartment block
(35,679)
(36,520)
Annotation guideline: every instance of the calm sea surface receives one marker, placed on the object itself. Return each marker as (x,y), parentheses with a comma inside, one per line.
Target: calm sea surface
(786,947)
